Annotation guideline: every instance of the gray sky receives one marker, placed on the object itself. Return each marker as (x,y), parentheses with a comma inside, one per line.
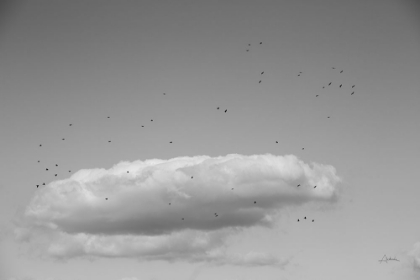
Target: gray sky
(78,62)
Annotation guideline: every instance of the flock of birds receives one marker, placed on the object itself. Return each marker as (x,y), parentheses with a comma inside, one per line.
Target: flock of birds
(218,108)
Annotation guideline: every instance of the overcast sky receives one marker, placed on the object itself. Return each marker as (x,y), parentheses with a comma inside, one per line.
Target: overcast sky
(185,139)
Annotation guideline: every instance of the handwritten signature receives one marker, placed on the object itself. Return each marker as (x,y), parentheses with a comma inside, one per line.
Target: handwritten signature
(386,259)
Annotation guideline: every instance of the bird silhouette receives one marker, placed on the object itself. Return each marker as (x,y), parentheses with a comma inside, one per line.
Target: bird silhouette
(170,142)
(298,185)
(328,117)
(333,68)
(353,86)
(69,170)
(316,95)
(55,175)
(260,43)
(303,148)
(169,203)
(217,108)
(313,220)
(352,93)
(192,177)
(277,142)
(314,187)
(164,93)
(247,50)
(128,171)
(43,184)
(46,169)
(341,71)
(109,141)
(37,186)
(329,84)
(298,220)
(108,117)
(40,145)
(323,87)
(262,72)
(63,139)
(249,45)
(255,202)
(182,218)
(56,165)
(259,82)
(341,85)
(151,120)
(106,198)
(70,124)
(39,161)
(142,126)
(305,218)
(225,110)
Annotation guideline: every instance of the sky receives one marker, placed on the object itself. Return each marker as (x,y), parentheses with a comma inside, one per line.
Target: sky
(171,155)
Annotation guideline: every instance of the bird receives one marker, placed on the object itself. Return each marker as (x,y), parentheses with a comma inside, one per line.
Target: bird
(106,198)
(277,142)
(192,177)
(249,45)
(341,85)
(353,86)
(305,218)
(182,218)
(262,72)
(328,117)
(314,187)
(298,75)
(142,126)
(39,161)
(329,84)
(259,82)
(303,148)
(164,93)
(247,50)
(46,169)
(40,145)
(108,117)
(37,186)
(56,164)
(43,184)
(323,87)
(341,71)
(313,220)
(69,170)
(298,220)
(128,171)
(169,203)
(352,93)
(333,68)
(151,120)
(63,139)
(260,43)
(232,189)
(225,110)
(170,142)
(255,202)
(55,175)
(109,141)
(70,124)
(298,185)
(316,95)
(218,108)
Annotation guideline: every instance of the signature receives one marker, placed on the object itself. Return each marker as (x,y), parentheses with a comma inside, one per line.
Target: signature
(386,259)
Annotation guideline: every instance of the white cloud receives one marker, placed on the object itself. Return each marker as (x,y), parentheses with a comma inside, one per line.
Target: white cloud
(75,218)
(414,255)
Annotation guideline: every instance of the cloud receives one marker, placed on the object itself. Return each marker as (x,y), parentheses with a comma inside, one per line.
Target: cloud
(165,209)
(414,256)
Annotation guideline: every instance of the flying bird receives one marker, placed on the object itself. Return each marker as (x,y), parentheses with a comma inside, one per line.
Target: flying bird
(37,186)
(142,126)
(328,117)
(46,169)
(106,198)
(314,187)
(259,82)
(56,165)
(70,124)
(109,141)
(305,218)
(262,72)
(255,202)
(247,50)
(249,45)
(277,142)
(40,145)
(298,185)
(298,220)
(164,93)
(192,177)
(55,175)
(69,170)
(316,95)
(341,85)
(108,117)
(128,171)
(329,84)
(225,110)
(217,108)
(151,120)
(169,203)
(43,184)
(182,218)
(313,220)
(341,71)
(170,142)
(333,68)
(39,161)
(323,87)
(352,93)
(303,148)
(63,139)
(353,86)
(260,43)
